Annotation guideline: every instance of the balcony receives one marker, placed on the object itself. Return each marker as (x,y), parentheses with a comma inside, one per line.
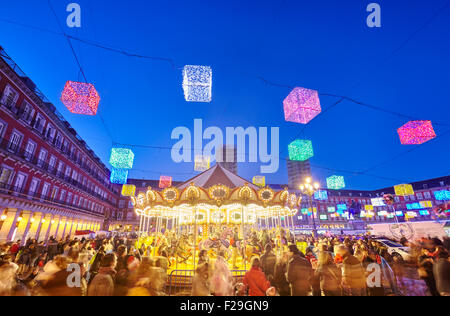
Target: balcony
(49,169)
(10,190)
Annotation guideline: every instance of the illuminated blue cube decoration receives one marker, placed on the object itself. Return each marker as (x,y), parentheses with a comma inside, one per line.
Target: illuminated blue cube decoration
(443,195)
(321,195)
(119,176)
(335,182)
(121,158)
(342,207)
(197,83)
(300,150)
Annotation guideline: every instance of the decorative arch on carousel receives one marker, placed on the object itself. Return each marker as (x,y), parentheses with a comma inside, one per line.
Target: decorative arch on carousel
(218,204)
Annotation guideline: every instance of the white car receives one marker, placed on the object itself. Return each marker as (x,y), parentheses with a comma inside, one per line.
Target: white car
(396,250)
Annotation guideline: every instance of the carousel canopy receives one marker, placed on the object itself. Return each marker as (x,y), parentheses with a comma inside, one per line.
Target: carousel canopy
(216,196)
(217,175)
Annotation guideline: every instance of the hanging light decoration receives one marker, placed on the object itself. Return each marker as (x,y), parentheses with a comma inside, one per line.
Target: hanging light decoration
(121,158)
(302,105)
(197,83)
(404,190)
(378,202)
(301,150)
(321,195)
(259,181)
(128,190)
(416,132)
(165,182)
(336,182)
(80,98)
(443,195)
(119,176)
(202,163)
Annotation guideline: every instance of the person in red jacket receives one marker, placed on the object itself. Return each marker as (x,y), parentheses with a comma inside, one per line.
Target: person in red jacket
(255,280)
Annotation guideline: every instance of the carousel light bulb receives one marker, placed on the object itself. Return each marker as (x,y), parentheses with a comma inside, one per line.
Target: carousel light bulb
(197,83)
(3,217)
(80,98)
(316,186)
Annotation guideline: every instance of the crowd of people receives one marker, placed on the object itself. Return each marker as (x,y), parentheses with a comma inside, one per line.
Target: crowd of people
(288,266)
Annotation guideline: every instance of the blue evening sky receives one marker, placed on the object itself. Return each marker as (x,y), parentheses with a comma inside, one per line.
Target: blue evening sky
(324,45)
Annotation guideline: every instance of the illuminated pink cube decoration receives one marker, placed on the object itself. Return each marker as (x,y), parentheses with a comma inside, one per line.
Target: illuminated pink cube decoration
(165,182)
(302,105)
(80,98)
(416,132)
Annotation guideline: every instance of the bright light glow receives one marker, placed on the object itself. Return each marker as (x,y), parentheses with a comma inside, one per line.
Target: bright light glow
(202,163)
(321,195)
(121,158)
(3,217)
(426,204)
(302,105)
(413,206)
(128,190)
(404,190)
(165,182)
(301,150)
(331,209)
(378,202)
(424,213)
(259,181)
(416,132)
(443,195)
(335,182)
(80,98)
(342,207)
(197,83)
(119,176)
(399,213)
(368,207)
(323,217)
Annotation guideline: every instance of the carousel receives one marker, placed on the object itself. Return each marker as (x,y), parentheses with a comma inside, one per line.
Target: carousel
(215,213)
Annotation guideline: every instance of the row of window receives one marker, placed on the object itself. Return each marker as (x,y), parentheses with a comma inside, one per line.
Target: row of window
(45,191)
(37,121)
(15,142)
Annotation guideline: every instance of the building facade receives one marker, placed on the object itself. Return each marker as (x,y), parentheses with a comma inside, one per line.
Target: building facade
(51,183)
(298,171)
(227,158)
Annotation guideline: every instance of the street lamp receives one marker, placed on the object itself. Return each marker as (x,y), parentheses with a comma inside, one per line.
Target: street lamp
(309,189)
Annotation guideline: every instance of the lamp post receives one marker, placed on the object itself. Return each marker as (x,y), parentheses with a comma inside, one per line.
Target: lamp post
(309,189)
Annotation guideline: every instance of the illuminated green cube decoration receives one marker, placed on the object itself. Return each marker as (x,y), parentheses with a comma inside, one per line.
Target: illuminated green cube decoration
(301,150)
(335,182)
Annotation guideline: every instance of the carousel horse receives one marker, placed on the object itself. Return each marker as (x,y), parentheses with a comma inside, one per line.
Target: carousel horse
(181,248)
(215,245)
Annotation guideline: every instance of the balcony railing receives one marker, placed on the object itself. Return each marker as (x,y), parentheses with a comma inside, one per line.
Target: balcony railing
(49,169)
(37,197)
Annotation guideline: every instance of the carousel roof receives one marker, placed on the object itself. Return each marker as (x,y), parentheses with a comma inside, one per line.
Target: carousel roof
(215,176)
